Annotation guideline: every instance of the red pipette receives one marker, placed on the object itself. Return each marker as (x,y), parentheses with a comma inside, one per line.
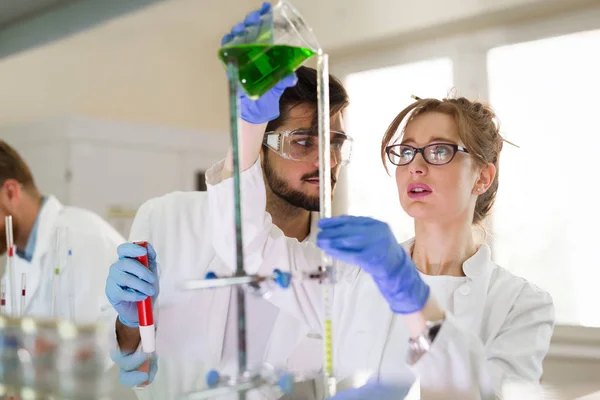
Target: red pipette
(145,313)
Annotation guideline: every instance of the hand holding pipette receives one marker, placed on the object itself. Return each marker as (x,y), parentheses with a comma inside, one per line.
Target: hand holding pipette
(129,282)
(145,314)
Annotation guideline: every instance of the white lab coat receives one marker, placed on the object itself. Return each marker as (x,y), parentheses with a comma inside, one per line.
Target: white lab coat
(93,244)
(191,325)
(499,329)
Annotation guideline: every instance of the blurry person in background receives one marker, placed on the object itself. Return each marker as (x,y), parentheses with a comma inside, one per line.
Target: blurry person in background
(47,235)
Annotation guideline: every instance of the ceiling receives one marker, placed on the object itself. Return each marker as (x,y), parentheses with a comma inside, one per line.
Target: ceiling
(339,24)
(12,11)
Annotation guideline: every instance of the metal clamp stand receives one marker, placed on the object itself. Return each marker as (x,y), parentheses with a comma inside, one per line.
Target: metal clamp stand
(247,380)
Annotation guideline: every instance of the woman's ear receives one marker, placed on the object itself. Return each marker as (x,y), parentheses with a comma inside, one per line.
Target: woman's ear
(485,179)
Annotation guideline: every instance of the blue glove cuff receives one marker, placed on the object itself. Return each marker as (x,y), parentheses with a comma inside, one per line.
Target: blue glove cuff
(127,323)
(404,289)
(419,296)
(252,112)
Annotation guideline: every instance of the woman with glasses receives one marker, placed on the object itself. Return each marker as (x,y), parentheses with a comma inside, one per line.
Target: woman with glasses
(463,322)
(436,308)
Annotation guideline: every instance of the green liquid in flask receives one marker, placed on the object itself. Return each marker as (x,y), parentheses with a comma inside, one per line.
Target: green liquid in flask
(262,66)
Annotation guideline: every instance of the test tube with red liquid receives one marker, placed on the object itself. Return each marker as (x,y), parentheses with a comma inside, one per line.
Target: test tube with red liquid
(145,315)
(3,296)
(10,264)
(23,294)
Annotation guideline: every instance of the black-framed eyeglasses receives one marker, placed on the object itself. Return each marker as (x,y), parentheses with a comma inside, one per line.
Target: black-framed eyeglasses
(434,154)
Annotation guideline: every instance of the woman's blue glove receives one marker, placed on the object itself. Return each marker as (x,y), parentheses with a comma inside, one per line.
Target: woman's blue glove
(371,245)
(372,391)
(266,108)
(128,368)
(129,282)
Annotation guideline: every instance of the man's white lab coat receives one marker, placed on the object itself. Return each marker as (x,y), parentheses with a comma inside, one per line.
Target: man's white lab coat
(92,243)
(191,325)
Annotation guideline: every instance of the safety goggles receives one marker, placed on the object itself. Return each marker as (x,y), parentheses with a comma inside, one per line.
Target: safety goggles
(303,145)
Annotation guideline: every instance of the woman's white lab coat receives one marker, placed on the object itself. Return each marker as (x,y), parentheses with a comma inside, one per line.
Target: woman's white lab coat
(93,244)
(499,329)
(191,325)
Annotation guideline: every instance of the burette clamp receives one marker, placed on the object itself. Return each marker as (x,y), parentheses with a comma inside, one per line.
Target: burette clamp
(213,281)
(323,275)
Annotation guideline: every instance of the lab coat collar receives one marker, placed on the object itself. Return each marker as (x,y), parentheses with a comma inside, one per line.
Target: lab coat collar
(27,253)
(470,298)
(47,219)
(48,215)
(479,265)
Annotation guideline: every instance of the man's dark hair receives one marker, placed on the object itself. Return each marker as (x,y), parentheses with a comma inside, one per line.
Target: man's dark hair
(305,92)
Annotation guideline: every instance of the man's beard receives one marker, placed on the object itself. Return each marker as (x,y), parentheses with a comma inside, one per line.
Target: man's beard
(294,197)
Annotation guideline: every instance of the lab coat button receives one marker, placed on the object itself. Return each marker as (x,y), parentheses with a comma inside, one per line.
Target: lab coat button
(465,290)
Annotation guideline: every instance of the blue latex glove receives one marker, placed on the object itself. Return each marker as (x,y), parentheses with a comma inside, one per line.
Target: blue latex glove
(266,108)
(129,282)
(372,391)
(371,245)
(128,365)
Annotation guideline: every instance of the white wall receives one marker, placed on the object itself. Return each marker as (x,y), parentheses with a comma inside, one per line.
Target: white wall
(109,167)
(159,65)
(355,27)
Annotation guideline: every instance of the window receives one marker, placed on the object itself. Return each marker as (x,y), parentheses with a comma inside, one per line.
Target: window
(376,97)
(547,216)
